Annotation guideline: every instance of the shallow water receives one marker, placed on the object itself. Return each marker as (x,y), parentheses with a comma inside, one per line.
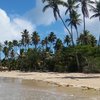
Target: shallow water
(19,89)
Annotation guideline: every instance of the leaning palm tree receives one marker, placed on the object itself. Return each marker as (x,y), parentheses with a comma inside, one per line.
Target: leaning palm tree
(96,9)
(53,4)
(74,21)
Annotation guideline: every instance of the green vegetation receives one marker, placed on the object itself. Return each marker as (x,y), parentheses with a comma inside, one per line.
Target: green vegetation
(32,53)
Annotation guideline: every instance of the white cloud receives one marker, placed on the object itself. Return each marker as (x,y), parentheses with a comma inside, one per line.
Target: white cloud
(37,16)
(11,28)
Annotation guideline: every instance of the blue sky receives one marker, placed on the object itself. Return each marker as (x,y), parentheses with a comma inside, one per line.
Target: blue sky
(17,6)
(17,15)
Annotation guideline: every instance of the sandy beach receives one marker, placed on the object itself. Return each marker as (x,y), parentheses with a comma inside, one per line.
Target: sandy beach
(86,81)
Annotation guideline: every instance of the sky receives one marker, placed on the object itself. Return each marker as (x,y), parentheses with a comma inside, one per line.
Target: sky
(17,15)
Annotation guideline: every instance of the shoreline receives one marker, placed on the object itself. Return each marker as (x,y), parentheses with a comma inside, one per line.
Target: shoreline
(77,80)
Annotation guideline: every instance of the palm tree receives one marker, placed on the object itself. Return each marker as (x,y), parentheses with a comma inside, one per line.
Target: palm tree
(74,21)
(15,44)
(84,8)
(87,39)
(46,43)
(58,45)
(6,52)
(51,38)
(6,43)
(53,4)
(43,44)
(25,38)
(10,45)
(35,39)
(71,5)
(67,40)
(12,54)
(96,9)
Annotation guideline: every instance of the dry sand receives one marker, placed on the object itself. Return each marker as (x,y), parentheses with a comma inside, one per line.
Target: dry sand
(86,81)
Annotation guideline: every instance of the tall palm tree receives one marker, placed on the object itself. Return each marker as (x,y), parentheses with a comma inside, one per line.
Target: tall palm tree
(71,6)
(96,9)
(53,4)
(74,21)
(35,39)
(84,8)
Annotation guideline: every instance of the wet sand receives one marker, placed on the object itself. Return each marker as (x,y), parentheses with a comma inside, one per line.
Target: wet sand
(80,80)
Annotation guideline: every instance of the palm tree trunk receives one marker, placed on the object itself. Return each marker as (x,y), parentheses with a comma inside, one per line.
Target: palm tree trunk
(77,61)
(35,46)
(77,33)
(0,58)
(72,36)
(66,28)
(46,46)
(99,41)
(84,23)
(64,23)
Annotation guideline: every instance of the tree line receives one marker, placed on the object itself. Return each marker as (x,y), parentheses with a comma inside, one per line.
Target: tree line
(32,53)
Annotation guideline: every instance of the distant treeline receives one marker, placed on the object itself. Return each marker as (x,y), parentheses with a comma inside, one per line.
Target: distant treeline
(51,53)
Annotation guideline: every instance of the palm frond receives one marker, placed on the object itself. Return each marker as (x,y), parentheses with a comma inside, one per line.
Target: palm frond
(66,11)
(95,15)
(46,7)
(55,13)
(67,20)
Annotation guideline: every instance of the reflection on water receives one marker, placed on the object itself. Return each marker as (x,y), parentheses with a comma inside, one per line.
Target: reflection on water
(18,89)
